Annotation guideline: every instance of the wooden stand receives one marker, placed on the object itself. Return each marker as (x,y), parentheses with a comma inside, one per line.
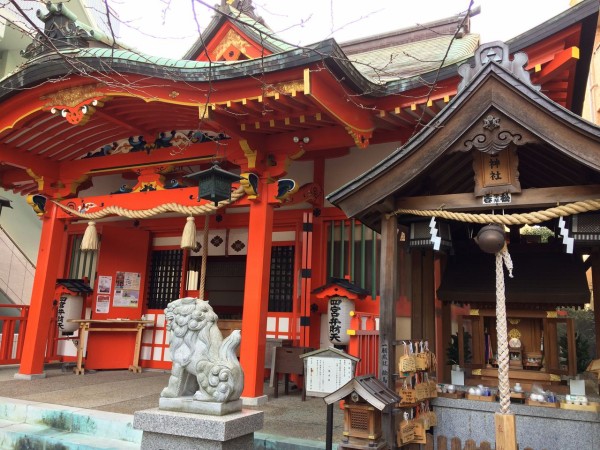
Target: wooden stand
(515,355)
(287,361)
(506,432)
(86,326)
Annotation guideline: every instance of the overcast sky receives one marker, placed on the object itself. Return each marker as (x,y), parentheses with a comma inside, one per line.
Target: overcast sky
(308,21)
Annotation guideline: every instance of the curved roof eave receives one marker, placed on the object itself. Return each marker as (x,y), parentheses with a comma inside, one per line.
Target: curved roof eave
(398,156)
(101,59)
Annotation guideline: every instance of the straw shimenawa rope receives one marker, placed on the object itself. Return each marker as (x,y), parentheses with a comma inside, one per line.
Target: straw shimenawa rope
(205,208)
(508,219)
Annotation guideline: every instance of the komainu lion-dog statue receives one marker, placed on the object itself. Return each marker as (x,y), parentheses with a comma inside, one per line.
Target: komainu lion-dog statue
(204,364)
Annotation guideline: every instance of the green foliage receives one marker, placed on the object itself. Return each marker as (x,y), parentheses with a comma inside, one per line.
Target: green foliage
(536,230)
(452,350)
(585,337)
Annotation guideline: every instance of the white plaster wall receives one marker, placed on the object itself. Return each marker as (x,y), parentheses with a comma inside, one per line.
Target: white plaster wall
(339,171)
(104,185)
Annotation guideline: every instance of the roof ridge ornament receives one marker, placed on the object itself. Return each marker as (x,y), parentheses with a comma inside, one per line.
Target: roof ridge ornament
(496,52)
(61,31)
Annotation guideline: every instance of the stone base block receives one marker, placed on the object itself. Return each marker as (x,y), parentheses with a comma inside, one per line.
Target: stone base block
(29,377)
(255,401)
(157,441)
(189,405)
(186,431)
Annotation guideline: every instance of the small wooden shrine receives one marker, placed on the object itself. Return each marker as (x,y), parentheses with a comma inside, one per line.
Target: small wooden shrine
(502,152)
(365,400)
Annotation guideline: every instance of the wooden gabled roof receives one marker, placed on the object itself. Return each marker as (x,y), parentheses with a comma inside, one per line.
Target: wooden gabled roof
(435,166)
(236,28)
(370,389)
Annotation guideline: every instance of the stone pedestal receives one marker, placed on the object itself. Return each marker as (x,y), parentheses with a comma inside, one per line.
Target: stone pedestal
(184,431)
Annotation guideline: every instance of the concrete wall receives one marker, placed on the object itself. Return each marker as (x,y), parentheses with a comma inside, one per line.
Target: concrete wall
(16,273)
(22,225)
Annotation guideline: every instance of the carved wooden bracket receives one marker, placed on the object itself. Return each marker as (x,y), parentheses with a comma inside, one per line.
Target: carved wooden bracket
(76,104)
(361,139)
(495,161)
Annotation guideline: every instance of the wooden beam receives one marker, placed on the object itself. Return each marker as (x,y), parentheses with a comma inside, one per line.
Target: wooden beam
(428,297)
(562,61)
(388,290)
(388,297)
(327,93)
(528,198)
(24,160)
(595,257)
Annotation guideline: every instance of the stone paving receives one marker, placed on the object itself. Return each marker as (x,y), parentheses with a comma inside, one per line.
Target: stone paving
(124,392)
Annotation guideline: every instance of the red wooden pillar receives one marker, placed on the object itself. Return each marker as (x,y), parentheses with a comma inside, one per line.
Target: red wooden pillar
(306,285)
(42,296)
(256,294)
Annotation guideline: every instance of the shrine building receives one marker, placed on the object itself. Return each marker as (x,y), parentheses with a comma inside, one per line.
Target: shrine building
(107,144)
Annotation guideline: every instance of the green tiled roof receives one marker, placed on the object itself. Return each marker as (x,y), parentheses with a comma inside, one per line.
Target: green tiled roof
(413,58)
(142,58)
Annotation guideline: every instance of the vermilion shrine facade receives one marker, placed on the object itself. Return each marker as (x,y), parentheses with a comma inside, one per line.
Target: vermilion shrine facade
(111,138)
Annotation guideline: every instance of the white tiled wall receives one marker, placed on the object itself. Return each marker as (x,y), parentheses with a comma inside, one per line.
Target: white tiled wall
(16,272)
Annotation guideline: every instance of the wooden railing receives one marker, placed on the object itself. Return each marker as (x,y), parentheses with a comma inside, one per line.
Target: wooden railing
(13,333)
(13,328)
(364,342)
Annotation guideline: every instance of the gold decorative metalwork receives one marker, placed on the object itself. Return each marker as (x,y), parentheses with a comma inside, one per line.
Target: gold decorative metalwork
(476,372)
(474,312)
(514,321)
(231,39)
(249,153)
(360,139)
(288,87)
(554,377)
(76,104)
(514,333)
(38,179)
(72,96)
(174,94)
(551,314)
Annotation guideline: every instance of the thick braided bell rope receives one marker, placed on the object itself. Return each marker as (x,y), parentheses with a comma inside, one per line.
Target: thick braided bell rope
(204,258)
(502,257)
(205,208)
(530,218)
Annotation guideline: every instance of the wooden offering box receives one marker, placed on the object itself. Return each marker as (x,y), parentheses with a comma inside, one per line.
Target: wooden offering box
(544,404)
(518,396)
(457,394)
(480,398)
(592,406)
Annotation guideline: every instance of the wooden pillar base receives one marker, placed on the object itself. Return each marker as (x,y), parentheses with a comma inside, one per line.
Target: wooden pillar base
(506,432)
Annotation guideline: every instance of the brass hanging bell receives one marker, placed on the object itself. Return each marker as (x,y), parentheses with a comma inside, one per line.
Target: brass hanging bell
(491,238)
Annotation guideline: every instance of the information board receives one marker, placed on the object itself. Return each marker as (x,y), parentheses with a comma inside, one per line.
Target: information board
(326,375)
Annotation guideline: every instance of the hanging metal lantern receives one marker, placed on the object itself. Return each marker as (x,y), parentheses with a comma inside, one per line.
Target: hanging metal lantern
(491,238)
(214,184)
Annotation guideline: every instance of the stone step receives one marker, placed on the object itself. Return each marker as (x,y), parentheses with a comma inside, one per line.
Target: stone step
(25,436)
(26,424)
